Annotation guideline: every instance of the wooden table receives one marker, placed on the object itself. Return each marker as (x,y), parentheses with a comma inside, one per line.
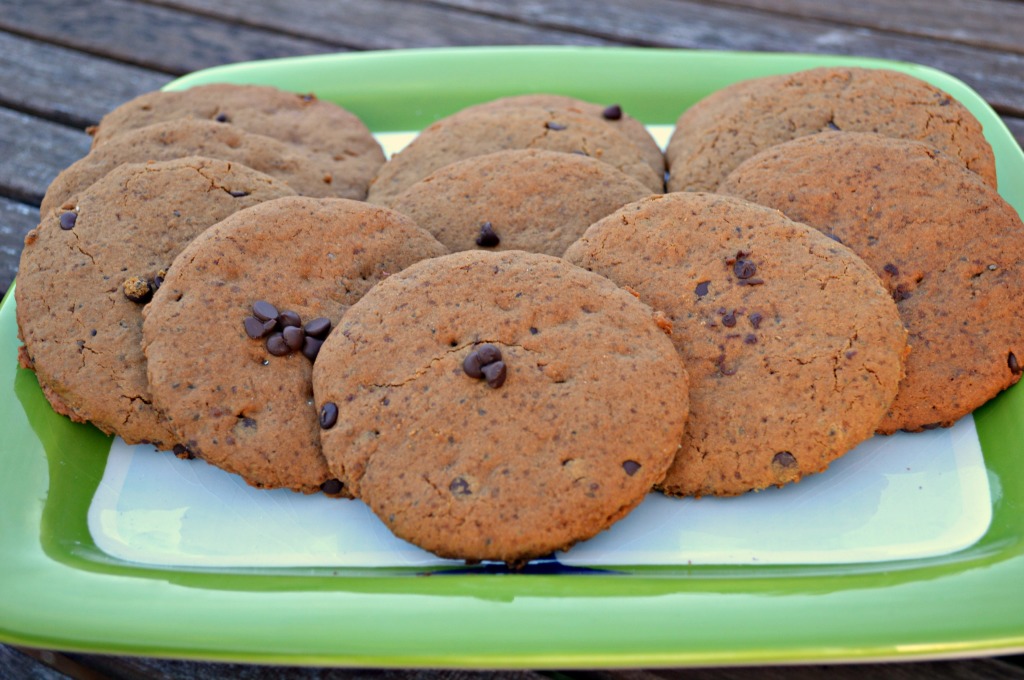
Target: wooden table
(63,64)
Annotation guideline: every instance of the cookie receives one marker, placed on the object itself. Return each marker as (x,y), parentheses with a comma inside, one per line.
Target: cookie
(307,173)
(223,366)
(475,133)
(519,404)
(793,346)
(528,199)
(721,131)
(612,114)
(88,268)
(301,120)
(943,241)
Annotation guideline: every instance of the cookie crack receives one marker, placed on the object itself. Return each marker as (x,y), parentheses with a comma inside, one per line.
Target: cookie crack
(419,373)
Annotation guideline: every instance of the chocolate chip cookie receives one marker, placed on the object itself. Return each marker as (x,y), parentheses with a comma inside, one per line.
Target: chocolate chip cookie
(483,131)
(302,120)
(793,345)
(528,199)
(943,241)
(519,404)
(89,267)
(308,173)
(231,335)
(611,114)
(721,131)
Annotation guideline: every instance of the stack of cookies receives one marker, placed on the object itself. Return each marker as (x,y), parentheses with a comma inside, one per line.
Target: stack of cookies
(508,334)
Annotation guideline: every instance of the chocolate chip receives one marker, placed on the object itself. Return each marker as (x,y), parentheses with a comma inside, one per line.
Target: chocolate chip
(277,346)
(729,320)
(137,289)
(613,112)
(750,282)
(318,328)
(630,466)
(460,487)
(702,288)
(254,328)
(332,487)
(289,318)
(891,269)
(478,358)
(488,238)
(744,269)
(181,451)
(832,125)
(755,319)
(68,219)
(901,293)
(1011,361)
(833,237)
(494,374)
(311,347)
(238,193)
(294,337)
(328,415)
(750,339)
(264,311)
(552,125)
(158,280)
(784,459)
(533,330)
(222,118)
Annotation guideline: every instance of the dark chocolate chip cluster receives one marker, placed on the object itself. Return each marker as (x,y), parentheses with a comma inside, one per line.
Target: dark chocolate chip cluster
(285,332)
(484,363)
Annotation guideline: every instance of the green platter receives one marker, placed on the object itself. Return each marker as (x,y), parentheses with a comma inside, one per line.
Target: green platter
(59,591)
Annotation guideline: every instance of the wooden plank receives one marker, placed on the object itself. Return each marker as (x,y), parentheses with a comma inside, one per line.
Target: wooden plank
(141,667)
(383,24)
(66,86)
(994,24)
(33,151)
(687,24)
(148,36)
(15,221)
(16,665)
(968,669)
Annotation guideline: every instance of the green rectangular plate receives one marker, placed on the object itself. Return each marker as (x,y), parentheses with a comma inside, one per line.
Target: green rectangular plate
(57,590)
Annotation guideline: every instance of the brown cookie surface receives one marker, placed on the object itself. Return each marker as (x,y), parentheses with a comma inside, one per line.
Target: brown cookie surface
(82,331)
(943,242)
(584,420)
(793,346)
(235,400)
(307,173)
(483,131)
(611,114)
(529,199)
(721,131)
(298,119)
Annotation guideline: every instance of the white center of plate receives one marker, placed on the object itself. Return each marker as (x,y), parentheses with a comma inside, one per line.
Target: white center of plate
(892,498)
